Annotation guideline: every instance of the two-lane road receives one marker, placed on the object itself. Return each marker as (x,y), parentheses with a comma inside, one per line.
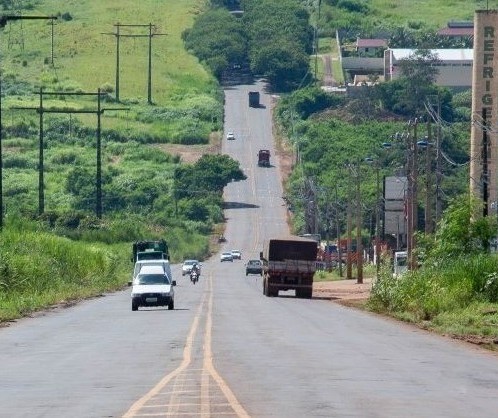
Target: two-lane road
(227,350)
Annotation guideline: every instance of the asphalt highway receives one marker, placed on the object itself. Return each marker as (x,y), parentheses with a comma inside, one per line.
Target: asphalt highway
(226,350)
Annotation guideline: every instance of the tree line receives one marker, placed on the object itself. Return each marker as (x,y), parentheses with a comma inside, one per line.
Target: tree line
(273,39)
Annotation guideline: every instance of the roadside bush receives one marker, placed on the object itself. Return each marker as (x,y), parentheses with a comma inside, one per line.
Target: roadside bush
(18,161)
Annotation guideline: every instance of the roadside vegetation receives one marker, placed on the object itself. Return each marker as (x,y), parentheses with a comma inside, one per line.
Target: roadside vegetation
(147,193)
(342,144)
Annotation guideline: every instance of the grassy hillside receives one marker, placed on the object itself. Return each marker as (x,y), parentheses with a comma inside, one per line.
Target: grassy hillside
(433,12)
(187,107)
(86,58)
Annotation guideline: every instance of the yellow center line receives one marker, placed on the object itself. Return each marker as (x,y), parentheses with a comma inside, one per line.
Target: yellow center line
(187,357)
(208,360)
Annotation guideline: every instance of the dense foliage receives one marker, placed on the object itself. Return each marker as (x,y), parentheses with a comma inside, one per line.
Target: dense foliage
(218,39)
(272,38)
(331,133)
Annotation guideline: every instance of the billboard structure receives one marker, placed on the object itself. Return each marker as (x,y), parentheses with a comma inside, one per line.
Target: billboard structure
(395,191)
(484,134)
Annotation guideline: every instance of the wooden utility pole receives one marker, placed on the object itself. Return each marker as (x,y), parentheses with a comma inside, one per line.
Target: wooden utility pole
(349,223)
(3,21)
(438,162)
(377,219)
(41,111)
(338,226)
(428,180)
(150,35)
(359,244)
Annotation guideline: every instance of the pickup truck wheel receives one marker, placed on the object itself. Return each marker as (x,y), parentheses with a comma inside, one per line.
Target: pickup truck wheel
(171,305)
(134,307)
(265,288)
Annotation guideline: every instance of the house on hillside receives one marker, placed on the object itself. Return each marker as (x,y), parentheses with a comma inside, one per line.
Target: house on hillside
(370,47)
(459,31)
(454,67)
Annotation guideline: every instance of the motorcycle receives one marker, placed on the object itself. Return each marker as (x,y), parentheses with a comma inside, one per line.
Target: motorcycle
(194,277)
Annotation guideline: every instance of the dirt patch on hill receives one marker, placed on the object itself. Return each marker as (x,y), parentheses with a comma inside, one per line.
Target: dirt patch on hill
(191,153)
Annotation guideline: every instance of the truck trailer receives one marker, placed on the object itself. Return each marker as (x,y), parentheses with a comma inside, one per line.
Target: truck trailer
(254,99)
(289,264)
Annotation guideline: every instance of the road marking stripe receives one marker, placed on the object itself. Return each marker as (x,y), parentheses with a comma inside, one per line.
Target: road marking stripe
(208,359)
(180,384)
(187,357)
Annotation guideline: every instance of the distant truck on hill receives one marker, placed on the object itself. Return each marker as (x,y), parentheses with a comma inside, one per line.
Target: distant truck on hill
(254,99)
(289,264)
(264,158)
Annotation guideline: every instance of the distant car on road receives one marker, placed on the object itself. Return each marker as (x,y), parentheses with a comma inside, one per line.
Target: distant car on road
(254,267)
(152,287)
(187,266)
(236,254)
(230,135)
(226,256)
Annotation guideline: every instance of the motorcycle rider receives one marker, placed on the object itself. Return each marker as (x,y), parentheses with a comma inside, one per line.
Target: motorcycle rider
(195,271)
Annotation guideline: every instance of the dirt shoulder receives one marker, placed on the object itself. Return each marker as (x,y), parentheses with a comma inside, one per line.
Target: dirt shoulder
(346,292)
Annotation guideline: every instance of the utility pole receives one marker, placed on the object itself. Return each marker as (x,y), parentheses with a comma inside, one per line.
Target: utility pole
(377,220)
(349,222)
(438,161)
(428,180)
(338,228)
(359,246)
(1,159)
(412,192)
(41,111)
(119,35)
(3,21)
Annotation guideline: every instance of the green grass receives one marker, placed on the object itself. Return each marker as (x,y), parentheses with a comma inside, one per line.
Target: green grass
(434,13)
(338,72)
(39,269)
(86,58)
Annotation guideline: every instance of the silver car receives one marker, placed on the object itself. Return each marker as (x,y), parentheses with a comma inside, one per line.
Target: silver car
(227,256)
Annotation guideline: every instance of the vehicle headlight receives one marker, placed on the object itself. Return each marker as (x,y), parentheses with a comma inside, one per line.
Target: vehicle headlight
(135,295)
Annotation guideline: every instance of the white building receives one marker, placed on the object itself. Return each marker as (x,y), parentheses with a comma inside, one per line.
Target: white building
(455,66)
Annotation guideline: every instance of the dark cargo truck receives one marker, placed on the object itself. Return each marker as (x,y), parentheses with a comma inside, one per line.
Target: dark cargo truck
(289,264)
(264,158)
(254,99)
(150,250)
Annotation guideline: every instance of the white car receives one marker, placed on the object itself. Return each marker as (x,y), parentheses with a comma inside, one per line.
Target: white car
(230,135)
(187,266)
(227,256)
(152,287)
(236,254)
